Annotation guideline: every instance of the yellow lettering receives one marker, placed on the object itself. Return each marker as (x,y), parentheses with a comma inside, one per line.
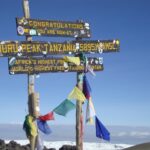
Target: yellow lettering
(41,31)
(55,24)
(8,48)
(34,49)
(108,46)
(30,23)
(70,47)
(46,47)
(23,47)
(28,48)
(56,47)
(50,32)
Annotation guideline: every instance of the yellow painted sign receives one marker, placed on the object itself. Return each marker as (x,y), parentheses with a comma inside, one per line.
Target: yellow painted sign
(9,48)
(36,27)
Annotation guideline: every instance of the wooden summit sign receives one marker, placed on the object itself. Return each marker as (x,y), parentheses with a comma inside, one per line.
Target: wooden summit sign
(35,27)
(43,65)
(34,48)
(50,61)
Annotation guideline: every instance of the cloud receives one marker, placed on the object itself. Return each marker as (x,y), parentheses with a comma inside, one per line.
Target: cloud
(122,134)
(139,134)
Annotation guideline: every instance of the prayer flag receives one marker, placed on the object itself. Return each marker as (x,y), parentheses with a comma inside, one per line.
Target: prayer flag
(90,111)
(49,116)
(101,131)
(82,57)
(77,94)
(29,126)
(43,126)
(75,60)
(64,107)
(90,69)
(86,87)
(90,121)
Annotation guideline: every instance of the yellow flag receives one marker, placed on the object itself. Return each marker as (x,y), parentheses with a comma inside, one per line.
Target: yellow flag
(90,121)
(33,127)
(75,60)
(77,94)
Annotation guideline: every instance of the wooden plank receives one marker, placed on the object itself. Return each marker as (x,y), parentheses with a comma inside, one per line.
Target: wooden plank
(35,48)
(37,27)
(43,65)
(51,61)
(35,69)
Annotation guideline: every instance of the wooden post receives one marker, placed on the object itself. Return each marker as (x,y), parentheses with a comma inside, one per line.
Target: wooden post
(28,38)
(30,77)
(79,117)
(34,109)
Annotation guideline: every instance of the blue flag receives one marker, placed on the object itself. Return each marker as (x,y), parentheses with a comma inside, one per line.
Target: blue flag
(86,87)
(101,131)
(43,126)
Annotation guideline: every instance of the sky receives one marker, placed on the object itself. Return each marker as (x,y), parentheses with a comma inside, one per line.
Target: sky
(120,93)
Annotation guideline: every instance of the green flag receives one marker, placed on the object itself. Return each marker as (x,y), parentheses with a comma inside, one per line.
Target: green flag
(64,107)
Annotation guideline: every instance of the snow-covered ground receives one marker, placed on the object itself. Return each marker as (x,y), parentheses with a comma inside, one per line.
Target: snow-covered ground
(86,146)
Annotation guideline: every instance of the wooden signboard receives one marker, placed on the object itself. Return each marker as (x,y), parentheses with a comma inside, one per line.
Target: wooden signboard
(36,27)
(42,65)
(50,61)
(35,48)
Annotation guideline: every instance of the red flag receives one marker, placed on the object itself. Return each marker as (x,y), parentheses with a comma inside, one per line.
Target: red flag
(49,116)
